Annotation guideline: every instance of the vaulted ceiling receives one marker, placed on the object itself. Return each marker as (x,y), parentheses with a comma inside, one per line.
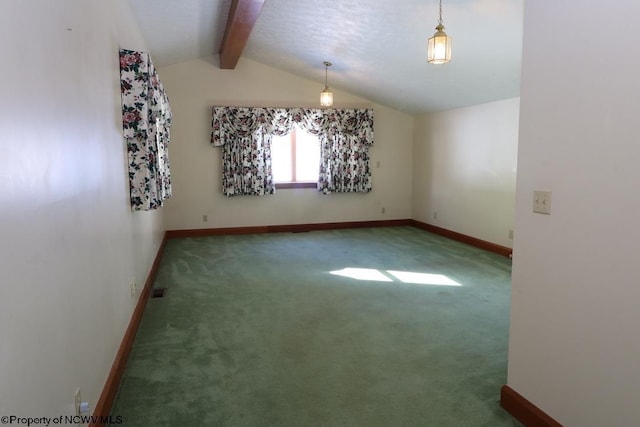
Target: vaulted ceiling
(377,47)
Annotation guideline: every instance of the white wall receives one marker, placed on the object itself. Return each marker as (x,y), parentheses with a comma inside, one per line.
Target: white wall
(70,244)
(464,170)
(574,346)
(195,86)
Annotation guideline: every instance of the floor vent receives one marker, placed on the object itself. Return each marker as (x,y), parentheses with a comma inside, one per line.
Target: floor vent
(158,292)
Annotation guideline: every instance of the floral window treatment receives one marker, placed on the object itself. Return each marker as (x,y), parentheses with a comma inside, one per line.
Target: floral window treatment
(245,135)
(146,119)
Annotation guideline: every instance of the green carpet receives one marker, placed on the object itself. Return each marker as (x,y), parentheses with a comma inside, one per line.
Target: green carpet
(256,330)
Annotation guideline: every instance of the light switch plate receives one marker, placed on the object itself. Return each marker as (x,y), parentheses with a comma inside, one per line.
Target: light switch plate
(542,202)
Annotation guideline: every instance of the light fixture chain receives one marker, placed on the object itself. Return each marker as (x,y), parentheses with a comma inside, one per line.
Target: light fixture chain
(440,20)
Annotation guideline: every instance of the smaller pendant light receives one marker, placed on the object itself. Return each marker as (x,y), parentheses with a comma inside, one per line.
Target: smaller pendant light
(439,51)
(326,96)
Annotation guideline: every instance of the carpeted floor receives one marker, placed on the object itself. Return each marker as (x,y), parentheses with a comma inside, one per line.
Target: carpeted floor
(363,327)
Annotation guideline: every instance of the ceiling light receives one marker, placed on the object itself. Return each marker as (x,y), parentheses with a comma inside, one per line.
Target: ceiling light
(439,44)
(326,97)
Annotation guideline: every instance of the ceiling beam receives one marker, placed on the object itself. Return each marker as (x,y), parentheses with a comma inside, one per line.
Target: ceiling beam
(242,16)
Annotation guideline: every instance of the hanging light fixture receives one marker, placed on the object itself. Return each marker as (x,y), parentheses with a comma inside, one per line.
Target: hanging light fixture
(439,51)
(326,96)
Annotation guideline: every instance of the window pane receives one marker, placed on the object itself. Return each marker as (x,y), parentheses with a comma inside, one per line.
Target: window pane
(281,158)
(307,156)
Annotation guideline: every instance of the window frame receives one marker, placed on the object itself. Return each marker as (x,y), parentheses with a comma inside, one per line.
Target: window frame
(307,184)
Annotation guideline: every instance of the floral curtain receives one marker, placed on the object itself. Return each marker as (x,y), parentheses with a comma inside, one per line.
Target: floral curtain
(344,157)
(246,155)
(245,135)
(146,120)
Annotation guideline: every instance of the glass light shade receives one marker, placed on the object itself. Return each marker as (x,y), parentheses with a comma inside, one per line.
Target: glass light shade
(439,50)
(326,97)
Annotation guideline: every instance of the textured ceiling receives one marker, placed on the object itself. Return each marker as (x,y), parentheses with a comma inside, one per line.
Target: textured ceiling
(377,47)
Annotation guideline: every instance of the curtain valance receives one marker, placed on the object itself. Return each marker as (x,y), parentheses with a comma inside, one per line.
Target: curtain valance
(231,122)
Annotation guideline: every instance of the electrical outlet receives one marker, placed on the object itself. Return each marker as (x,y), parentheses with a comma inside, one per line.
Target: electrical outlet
(383,210)
(134,288)
(435,215)
(511,234)
(205,218)
(84,408)
(77,400)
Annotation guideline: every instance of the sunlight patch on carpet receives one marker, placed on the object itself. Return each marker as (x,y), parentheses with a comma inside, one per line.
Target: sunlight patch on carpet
(423,278)
(410,277)
(362,274)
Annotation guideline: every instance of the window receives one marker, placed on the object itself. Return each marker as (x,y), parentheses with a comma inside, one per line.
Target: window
(295,159)
(345,136)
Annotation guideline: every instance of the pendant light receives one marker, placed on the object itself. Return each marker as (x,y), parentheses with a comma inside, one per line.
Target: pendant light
(326,96)
(439,51)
